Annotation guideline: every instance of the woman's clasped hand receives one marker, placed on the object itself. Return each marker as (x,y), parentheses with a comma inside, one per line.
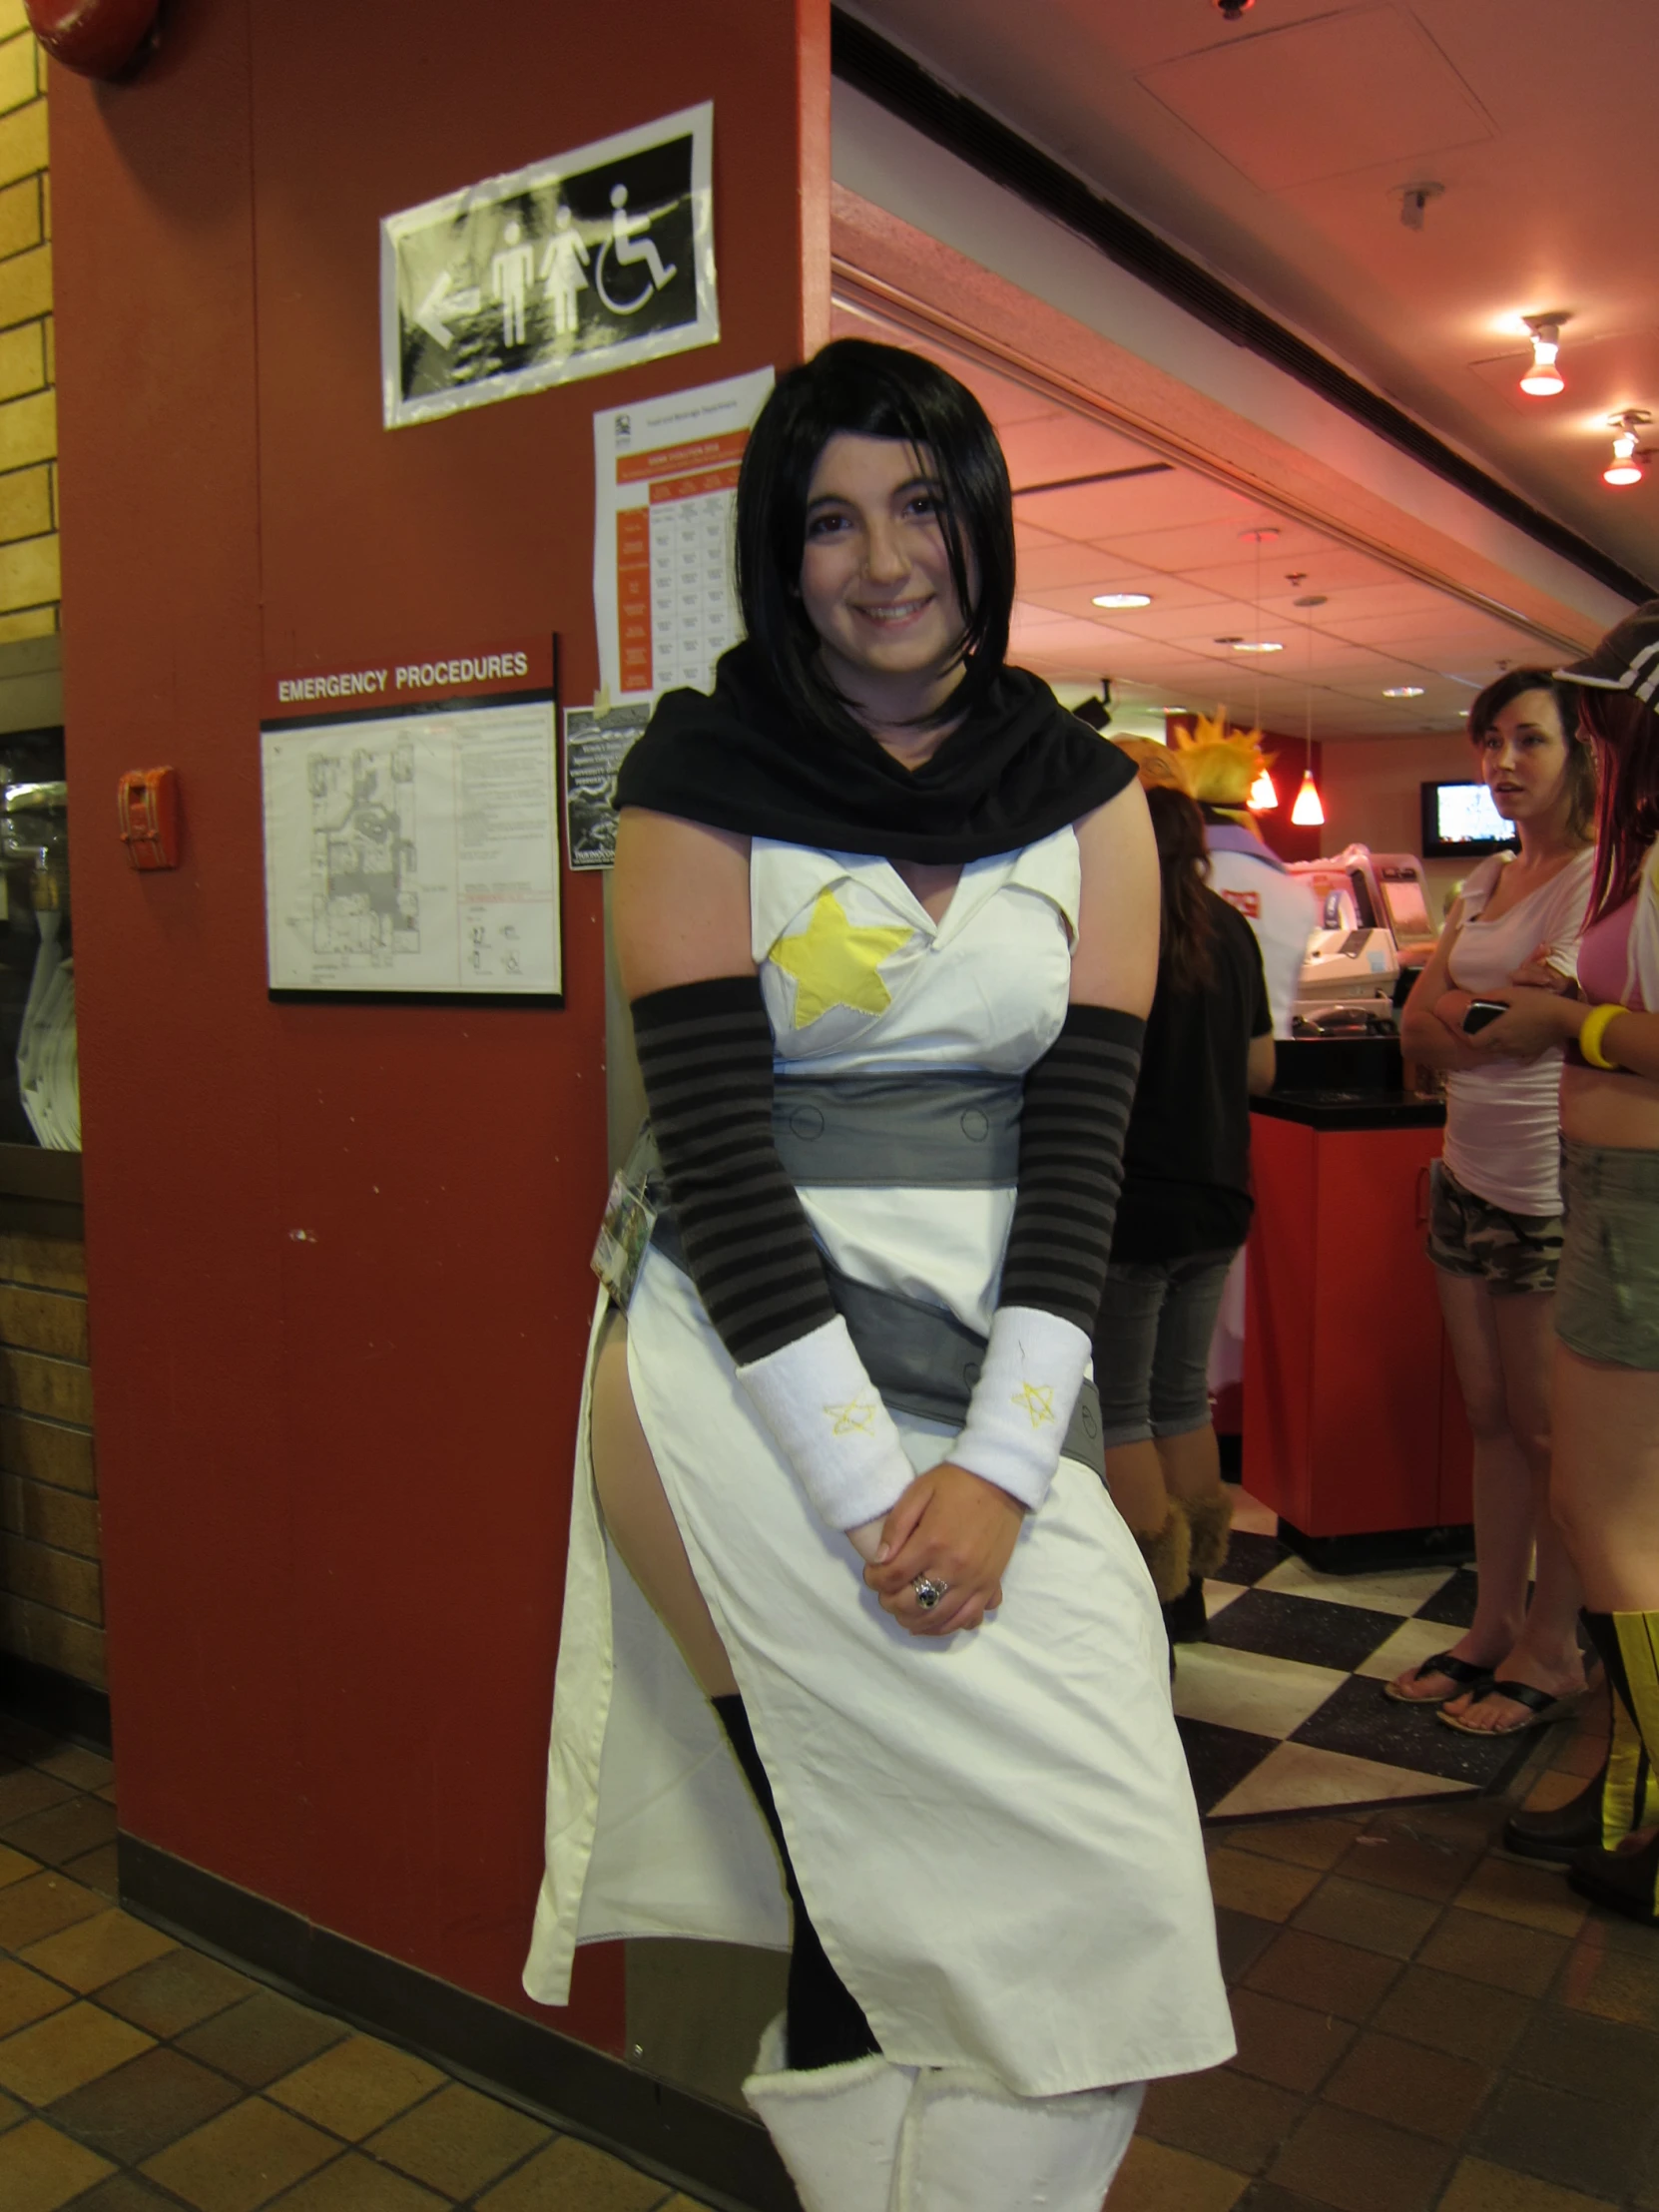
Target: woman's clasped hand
(956,1530)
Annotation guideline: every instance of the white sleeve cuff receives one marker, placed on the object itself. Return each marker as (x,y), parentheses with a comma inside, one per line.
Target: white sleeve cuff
(830,1425)
(1023,1402)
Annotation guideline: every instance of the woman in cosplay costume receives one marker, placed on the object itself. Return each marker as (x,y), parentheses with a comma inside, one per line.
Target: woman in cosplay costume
(1604,1481)
(887,919)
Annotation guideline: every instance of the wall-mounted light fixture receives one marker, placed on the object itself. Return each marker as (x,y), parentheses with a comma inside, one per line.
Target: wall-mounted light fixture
(1543,379)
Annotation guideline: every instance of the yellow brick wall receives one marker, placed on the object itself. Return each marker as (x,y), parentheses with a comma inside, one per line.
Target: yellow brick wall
(51,1579)
(29,586)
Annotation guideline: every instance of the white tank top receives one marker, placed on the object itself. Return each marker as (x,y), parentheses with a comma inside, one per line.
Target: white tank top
(1503,1122)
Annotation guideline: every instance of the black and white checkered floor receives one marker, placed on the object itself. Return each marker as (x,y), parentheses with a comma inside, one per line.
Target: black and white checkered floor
(1283,1709)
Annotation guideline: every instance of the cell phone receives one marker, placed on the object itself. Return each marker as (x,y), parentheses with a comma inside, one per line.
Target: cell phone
(1482,1011)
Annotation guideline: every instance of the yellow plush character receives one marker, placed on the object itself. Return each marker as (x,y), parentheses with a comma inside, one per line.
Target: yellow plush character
(1219,766)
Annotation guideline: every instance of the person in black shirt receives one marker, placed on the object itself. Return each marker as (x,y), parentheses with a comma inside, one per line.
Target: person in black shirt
(1184,1211)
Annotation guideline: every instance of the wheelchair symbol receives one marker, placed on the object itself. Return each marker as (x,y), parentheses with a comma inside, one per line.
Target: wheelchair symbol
(630,245)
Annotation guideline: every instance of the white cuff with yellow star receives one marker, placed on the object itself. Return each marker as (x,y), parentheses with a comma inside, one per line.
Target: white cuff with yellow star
(1023,1400)
(830,1425)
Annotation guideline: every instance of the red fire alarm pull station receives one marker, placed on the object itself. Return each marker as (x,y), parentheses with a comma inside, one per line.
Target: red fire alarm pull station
(147,800)
(94,38)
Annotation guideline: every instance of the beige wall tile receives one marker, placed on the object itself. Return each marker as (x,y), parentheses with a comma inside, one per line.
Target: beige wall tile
(52,1639)
(56,1580)
(58,1390)
(26,498)
(52,1321)
(22,365)
(34,622)
(20,216)
(30,572)
(48,1451)
(47,1515)
(18,81)
(25,282)
(28,427)
(13,17)
(23,141)
(44,1262)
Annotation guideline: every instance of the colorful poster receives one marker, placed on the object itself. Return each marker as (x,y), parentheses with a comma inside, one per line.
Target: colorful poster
(666,483)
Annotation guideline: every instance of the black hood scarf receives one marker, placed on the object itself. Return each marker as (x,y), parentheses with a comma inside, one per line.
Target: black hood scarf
(1016,769)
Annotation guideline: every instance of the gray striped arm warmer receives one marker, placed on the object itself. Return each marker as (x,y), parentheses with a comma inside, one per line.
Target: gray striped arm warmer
(705,1053)
(1072,1124)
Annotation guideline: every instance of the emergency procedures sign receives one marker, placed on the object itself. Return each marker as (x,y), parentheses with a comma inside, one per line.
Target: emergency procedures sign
(573,267)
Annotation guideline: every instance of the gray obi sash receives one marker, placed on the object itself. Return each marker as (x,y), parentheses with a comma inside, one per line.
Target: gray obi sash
(955,1132)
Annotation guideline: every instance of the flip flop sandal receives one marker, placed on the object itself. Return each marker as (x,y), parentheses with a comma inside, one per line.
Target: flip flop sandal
(1541,1708)
(1463,1672)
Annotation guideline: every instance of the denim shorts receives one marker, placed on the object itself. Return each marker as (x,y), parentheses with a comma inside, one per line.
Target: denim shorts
(1152,1345)
(1607,1290)
(1469,1235)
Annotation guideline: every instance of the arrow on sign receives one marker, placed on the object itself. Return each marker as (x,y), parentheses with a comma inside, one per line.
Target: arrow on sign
(438,302)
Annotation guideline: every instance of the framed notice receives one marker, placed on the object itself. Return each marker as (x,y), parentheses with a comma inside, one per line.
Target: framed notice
(573,267)
(411,845)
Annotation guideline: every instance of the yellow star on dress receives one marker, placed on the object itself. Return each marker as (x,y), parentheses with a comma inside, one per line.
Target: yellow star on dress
(1037,1399)
(835,964)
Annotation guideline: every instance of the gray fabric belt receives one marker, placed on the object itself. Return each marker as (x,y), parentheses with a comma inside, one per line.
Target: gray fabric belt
(954,1132)
(960,1131)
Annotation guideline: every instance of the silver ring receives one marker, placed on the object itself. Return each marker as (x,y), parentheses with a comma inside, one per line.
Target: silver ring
(928,1592)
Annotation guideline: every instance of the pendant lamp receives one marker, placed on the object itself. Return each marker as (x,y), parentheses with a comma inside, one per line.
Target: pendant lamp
(1264,793)
(1309,812)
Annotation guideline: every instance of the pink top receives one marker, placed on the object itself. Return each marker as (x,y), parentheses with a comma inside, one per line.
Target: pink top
(1605,975)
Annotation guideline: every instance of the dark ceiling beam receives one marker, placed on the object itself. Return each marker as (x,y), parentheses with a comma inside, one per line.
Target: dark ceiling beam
(875,66)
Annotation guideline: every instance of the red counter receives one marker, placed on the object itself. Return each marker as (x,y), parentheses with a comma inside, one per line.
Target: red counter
(1353,1419)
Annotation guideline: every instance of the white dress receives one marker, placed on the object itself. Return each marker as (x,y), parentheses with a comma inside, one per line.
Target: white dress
(994,1833)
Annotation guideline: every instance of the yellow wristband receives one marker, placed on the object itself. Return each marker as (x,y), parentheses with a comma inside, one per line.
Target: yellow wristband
(1594,1029)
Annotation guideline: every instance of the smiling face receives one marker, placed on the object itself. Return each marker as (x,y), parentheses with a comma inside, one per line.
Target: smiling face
(1523,758)
(876,578)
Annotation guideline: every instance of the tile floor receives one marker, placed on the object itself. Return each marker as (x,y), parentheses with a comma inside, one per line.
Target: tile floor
(1281,1711)
(1424,2026)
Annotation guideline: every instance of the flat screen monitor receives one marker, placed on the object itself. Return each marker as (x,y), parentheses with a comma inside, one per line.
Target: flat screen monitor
(1460,818)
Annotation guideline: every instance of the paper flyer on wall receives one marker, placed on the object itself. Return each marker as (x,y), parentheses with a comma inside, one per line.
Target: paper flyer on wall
(665,474)
(415,852)
(595,742)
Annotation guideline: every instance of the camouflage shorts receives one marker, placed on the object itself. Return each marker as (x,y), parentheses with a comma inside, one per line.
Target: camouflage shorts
(1469,1235)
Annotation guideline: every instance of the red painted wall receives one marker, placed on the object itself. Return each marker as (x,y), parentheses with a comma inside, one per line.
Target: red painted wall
(335,1471)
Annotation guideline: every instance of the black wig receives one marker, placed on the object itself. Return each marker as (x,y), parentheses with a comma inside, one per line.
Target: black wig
(873,391)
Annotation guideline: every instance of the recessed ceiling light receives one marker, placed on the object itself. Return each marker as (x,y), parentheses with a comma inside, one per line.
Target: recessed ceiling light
(1252,645)
(1123,599)
(1403,691)
(1175,710)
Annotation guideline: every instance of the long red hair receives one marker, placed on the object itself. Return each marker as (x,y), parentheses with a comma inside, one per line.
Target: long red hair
(1625,731)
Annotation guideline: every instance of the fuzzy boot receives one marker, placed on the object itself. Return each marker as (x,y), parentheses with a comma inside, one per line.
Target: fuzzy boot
(970,2146)
(1627,1879)
(1622,1798)
(836,2128)
(1167,1553)
(1211,1516)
